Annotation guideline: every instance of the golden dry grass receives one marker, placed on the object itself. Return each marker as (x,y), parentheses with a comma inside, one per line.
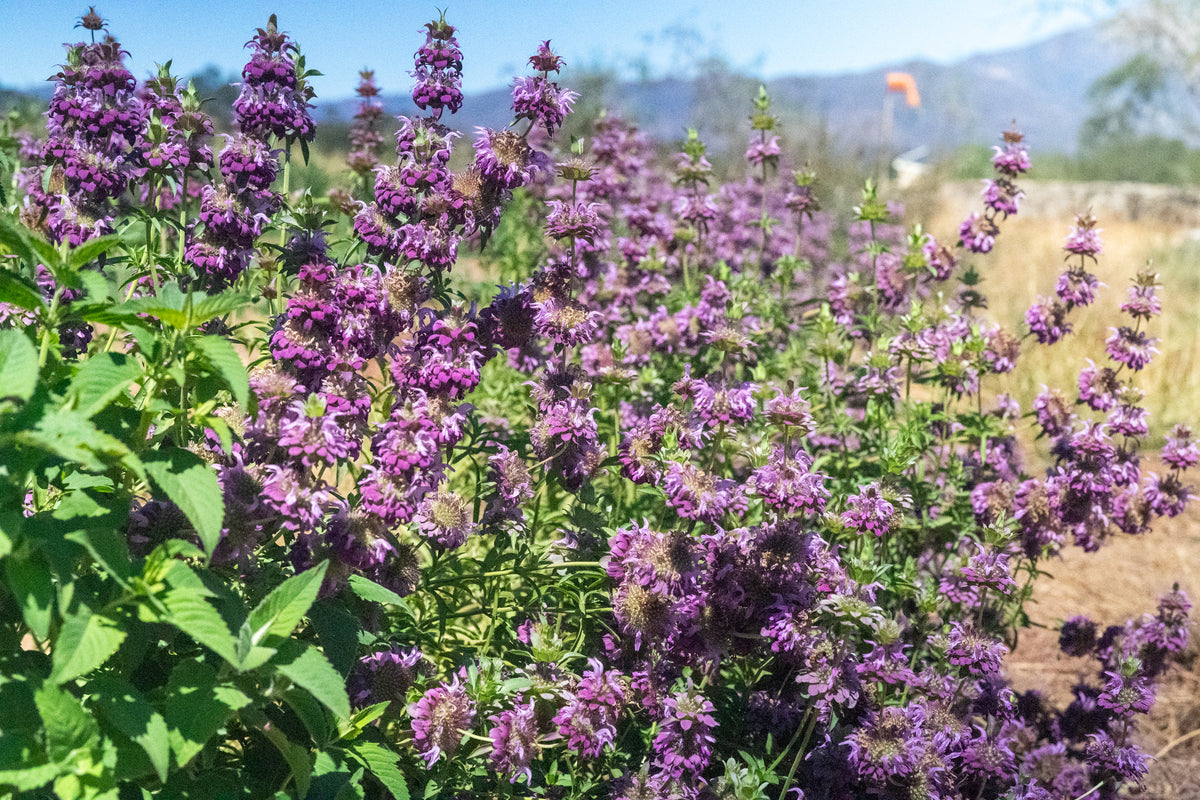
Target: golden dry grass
(1026,263)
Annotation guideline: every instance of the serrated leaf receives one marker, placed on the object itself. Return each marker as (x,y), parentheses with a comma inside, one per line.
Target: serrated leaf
(296,758)
(100,380)
(49,256)
(17,239)
(31,585)
(337,631)
(191,613)
(85,641)
(18,365)
(219,354)
(72,436)
(307,667)
(129,712)
(280,612)
(69,727)
(20,292)
(205,308)
(109,548)
(192,485)
(29,778)
(382,763)
(311,713)
(374,593)
(95,286)
(90,250)
(196,707)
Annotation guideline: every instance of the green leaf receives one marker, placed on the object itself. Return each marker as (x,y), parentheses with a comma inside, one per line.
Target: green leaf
(197,707)
(205,308)
(100,380)
(308,668)
(192,485)
(337,631)
(220,356)
(85,641)
(191,613)
(281,611)
(374,593)
(20,292)
(90,250)
(18,365)
(129,712)
(18,240)
(30,582)
(69,727)
(311,713)
(296,757)
(382,763)
(72,436)
(29,778)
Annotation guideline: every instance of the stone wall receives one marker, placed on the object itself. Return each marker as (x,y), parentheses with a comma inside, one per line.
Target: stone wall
(1125,202)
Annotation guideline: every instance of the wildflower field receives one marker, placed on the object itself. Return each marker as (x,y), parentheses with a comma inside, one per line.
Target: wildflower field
(523,467)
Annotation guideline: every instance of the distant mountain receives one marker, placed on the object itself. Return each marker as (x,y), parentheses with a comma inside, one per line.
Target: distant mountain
(1043,86)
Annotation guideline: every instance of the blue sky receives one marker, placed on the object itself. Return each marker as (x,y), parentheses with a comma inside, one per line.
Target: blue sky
(767,38)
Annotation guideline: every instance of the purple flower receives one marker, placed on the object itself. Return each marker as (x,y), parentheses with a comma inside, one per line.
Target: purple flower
(725,405)
(514,738)
(1168,497)
(1126,694)
(504,159)
(791,412)
(868,511)
(887,744)
(1180,452)
(1130,347)
(579,221)
(1077,287)
(438,70)
(1077,636)
(1098,386)
(439,720)
(1142,302)
(588,721)
(1084,238)
(978,234)
(1047,320)
(444,518)
(1123,762)
(566,435)
(786,483)
(1128,420)
(384,677)
(979,653)
(1054,415)
(274,96)
(1002,196)
(566,322)
(683,745)
(696,494)
(509,474)
(541,100)
(763,151)
(1011,160)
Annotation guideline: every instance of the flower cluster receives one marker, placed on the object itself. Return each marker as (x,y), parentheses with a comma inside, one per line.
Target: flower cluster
(697,505)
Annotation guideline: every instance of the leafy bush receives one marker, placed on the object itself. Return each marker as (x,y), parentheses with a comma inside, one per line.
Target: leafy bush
(697,508)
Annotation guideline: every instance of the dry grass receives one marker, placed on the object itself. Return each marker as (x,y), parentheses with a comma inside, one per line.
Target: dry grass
(1026,263)
(1124,579)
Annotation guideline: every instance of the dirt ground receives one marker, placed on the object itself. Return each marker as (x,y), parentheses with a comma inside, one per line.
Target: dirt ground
(1123,580)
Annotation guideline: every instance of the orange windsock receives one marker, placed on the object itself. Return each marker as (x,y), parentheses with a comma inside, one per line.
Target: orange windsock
(903,82)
